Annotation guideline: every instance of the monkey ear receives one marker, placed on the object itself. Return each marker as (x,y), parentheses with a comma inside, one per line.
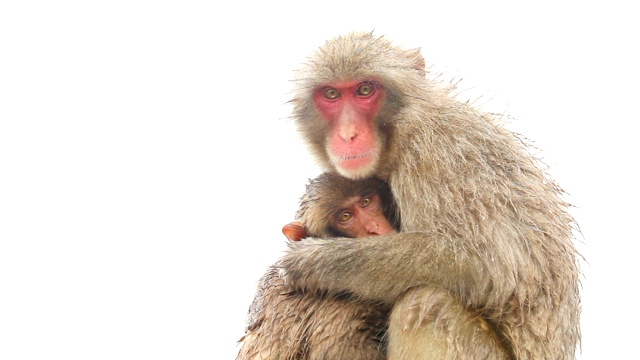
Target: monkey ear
(418,61)
(294,231)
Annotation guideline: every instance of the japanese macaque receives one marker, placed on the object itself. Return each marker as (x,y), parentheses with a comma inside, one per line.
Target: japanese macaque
(484,231)
(335,206)
(297,325)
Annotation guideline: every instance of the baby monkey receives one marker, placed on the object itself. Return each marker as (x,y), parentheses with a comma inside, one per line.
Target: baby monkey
(334,206)
(292,325)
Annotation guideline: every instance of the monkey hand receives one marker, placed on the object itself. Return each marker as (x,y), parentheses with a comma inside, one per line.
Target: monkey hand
(294,231)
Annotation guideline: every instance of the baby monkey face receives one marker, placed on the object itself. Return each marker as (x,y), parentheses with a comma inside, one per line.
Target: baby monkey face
(362,216)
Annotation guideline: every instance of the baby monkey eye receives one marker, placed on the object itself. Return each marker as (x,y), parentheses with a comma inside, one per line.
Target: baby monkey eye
(365,89)
(366,201)
(345,216)
(331,93)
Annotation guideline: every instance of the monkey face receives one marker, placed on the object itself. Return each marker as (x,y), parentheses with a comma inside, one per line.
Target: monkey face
(353,144)
(362,216)
(334,206)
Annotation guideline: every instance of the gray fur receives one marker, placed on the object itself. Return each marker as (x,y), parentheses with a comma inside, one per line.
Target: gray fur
(481,218)
(485,266)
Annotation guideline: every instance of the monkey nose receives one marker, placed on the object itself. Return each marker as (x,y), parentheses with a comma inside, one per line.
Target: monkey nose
(348,135)
(373,228)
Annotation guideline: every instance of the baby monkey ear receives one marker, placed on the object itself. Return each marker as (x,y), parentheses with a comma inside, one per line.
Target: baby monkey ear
(294,231)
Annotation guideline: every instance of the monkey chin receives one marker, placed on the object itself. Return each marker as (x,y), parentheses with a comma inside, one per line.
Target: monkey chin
(355,167)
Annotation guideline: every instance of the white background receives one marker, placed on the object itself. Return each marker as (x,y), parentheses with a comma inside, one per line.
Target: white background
(147,161)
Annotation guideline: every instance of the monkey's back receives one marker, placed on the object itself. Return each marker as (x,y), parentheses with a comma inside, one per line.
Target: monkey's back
(299,325)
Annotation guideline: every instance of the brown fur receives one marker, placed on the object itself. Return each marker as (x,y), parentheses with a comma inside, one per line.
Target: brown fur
(313,326)
(297,325)
(482,223)
(325,194)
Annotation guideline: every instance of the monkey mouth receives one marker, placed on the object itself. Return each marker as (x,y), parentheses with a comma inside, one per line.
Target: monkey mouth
(355,157)
(356,164)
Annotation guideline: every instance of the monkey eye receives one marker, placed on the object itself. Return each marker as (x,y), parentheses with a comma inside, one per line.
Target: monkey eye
(345,216)
(366,201)
(365,89)
(331,93)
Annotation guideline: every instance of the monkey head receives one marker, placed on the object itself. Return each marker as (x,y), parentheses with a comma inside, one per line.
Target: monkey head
(336,206)
(347,97)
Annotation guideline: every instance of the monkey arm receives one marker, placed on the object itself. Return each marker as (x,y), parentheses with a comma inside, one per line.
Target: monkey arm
(382,268)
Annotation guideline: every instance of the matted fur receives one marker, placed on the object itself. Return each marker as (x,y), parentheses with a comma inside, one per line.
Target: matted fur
(480,217)
(312,326)
(297,325)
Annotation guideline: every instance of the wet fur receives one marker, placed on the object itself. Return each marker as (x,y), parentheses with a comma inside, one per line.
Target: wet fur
(284,324)
(481,219)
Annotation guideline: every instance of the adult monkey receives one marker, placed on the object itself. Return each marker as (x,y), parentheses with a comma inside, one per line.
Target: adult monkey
(299,325)
(484,229)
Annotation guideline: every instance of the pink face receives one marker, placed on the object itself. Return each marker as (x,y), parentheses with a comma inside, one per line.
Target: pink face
(350,108)
(362,217)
